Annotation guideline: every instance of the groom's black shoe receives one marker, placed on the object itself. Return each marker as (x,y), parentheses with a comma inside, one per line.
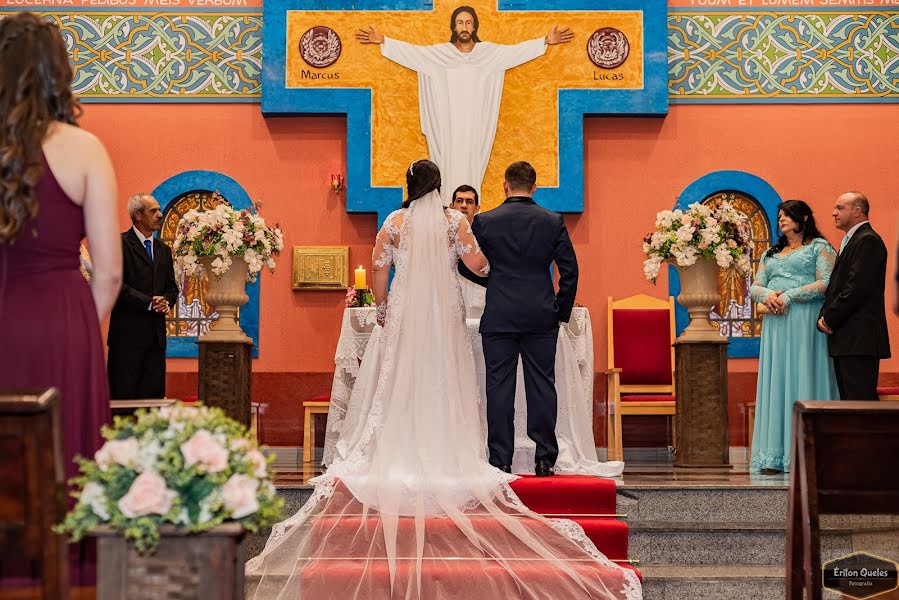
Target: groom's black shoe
(504,468)
(543,469)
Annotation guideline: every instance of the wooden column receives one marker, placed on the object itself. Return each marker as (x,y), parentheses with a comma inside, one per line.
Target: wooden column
(701,388)
(224,373)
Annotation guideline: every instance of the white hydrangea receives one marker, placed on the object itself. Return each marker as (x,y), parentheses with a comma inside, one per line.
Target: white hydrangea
(220,266)
(94,496)
(723,257)
(665,218)
(651,267)
(685,234)
(148,454)
(658,239)
(685,255)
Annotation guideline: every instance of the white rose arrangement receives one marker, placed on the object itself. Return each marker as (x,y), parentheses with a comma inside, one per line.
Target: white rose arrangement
(720,233)
(224,233)
(187,466)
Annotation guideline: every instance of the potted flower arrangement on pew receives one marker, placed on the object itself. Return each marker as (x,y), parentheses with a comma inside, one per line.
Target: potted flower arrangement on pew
(173,492)
(231,247)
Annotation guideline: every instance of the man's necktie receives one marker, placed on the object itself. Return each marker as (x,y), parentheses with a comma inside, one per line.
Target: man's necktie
(148,245)
(843,243)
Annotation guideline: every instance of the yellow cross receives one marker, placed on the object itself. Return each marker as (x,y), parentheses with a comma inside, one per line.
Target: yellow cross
(528,119)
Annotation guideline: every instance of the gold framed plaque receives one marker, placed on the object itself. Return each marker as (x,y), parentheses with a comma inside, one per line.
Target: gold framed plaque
(321,267)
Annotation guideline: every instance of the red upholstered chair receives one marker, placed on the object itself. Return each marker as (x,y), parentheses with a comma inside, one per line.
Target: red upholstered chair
(888,393)
(640,379)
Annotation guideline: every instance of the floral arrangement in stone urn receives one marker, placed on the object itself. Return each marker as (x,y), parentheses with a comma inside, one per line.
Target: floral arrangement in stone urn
(187,467)
(232,247)
(699,241)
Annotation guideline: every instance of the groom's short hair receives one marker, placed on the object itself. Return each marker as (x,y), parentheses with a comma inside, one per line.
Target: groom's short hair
(521,176)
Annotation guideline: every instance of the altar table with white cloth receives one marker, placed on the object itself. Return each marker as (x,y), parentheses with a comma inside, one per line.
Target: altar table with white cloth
(574,387)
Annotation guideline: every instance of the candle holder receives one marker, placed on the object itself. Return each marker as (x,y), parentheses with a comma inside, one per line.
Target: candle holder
(359,298)
(337,182)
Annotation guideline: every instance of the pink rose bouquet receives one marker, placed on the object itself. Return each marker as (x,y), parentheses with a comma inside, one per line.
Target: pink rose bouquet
(185,466)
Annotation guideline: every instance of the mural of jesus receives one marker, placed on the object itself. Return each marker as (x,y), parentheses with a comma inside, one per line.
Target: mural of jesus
(460,86)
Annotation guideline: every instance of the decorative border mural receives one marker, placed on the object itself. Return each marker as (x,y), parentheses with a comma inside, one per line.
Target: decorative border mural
(714,56)
(143,56)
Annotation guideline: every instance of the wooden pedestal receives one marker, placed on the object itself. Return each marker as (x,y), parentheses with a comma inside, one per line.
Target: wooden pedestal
(224,373)
(701,371)
(185,565)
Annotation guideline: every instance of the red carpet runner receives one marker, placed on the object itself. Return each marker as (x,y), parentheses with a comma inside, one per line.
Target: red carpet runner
(589,501)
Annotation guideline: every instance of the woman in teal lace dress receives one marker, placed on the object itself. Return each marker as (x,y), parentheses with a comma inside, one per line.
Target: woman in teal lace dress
(793,359)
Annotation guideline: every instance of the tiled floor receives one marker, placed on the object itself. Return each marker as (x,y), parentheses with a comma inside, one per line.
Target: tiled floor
(658,475)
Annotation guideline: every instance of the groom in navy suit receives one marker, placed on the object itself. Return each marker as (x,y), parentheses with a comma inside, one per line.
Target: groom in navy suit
(521,317)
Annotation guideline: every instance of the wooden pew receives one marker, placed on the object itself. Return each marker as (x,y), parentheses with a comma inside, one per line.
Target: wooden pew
(32,497)
(843,461)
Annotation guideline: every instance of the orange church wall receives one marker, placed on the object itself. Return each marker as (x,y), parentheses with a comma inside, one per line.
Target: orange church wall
(634,167)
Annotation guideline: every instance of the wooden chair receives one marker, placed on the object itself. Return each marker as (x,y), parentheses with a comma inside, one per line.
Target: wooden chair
(315,406)
(32,497)
(840,465)
(257,409)
(640,379)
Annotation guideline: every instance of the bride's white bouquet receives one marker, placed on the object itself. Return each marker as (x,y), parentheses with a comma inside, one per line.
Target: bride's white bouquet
(224,232)
(721,233)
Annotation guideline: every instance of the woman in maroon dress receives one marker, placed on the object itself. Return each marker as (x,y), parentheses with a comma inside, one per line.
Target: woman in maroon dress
(56,186)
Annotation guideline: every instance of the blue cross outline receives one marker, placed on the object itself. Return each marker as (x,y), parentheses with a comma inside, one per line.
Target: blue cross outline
(356,103)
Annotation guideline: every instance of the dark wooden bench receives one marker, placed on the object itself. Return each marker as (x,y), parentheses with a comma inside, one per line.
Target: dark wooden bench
(32,497)
(843,461)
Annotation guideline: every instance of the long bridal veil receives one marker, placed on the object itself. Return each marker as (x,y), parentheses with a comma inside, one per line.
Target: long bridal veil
(410,508)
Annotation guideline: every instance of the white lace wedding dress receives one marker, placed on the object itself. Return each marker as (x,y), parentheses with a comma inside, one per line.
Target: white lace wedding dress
(410,507)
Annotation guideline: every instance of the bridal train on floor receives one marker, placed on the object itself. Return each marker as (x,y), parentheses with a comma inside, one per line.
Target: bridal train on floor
(409,507)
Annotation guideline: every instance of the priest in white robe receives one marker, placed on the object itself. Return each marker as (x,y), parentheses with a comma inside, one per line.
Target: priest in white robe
(460,85)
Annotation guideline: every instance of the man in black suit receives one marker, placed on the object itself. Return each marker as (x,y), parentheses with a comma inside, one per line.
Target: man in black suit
(137,336)
(853,313)
(522,314)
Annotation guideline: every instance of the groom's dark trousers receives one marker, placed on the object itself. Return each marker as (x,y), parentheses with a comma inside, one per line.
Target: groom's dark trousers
(521,318)
(538,357)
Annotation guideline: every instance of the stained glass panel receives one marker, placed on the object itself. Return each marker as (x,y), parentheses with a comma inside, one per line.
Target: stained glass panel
(735,315)
(191,315)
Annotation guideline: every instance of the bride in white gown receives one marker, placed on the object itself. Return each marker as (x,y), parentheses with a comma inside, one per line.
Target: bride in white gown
(410,508)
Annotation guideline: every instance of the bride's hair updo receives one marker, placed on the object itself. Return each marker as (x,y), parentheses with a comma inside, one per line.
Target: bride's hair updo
(422,177)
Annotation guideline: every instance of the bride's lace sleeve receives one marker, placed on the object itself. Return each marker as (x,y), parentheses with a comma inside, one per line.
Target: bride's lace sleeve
(825,258)
(382,257)
(758,292)
(468,250)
